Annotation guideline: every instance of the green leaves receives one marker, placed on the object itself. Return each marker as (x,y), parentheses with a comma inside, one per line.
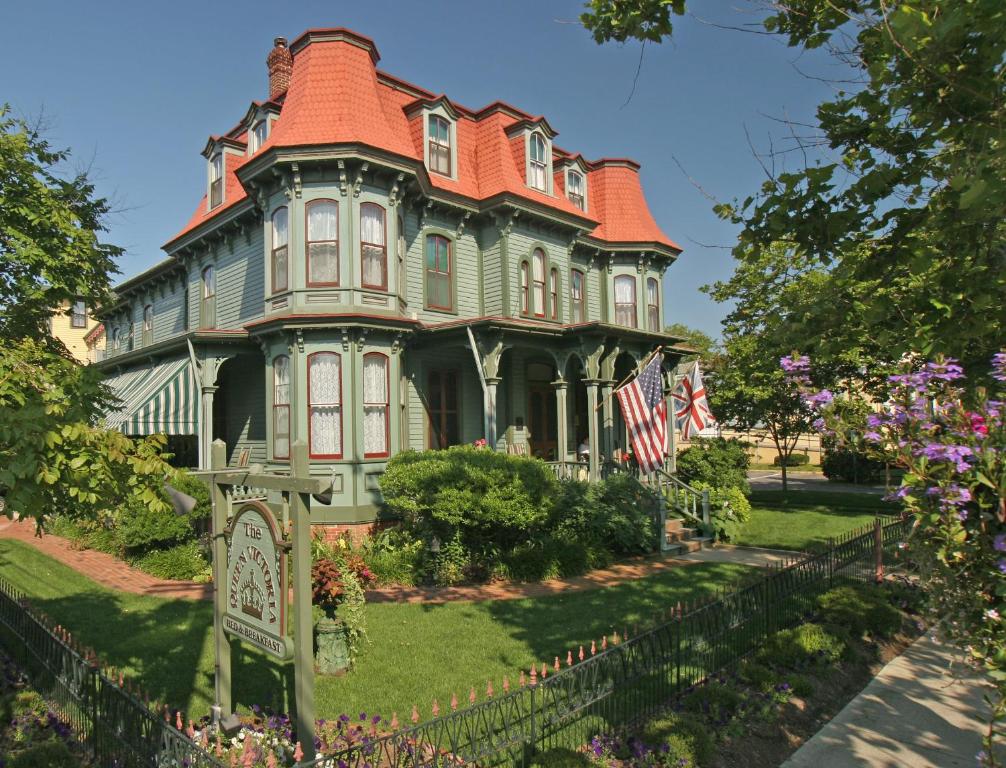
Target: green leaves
(621,20)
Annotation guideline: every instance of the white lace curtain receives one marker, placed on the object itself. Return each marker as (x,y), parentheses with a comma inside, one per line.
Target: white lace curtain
(625,301)
(325,374)
(323,247)
(372,244)
(375,404)
(538,275)
(281,407)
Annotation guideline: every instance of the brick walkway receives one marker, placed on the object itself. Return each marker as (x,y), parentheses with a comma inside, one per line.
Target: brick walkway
(115,574)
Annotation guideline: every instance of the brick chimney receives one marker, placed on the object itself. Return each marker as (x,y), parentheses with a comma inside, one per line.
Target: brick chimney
(280,64)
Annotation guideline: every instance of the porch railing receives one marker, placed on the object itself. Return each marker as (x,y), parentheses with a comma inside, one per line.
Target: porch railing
(690,502)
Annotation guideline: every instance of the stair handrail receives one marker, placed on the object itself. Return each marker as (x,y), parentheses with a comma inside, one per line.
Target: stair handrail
(686,499)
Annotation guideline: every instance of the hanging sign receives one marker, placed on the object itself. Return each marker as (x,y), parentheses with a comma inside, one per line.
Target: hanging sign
(256,587)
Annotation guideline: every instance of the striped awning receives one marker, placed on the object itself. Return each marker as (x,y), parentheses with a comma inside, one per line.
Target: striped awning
(155,400)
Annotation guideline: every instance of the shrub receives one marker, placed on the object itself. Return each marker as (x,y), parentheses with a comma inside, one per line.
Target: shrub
(186,562)
(729,510)
(686,736)
(793,460)
(622,514)
(850,466)
(394,557)
(486,499)
(758,676)
(859,609)
(140,529)
(557,757)
(801,646)
(47,754)
(715,700)
(716,461)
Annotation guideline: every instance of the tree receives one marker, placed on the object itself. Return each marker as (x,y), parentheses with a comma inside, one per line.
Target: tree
(54,454)
(748,390)
(50,252)
(705,345)
(906,216)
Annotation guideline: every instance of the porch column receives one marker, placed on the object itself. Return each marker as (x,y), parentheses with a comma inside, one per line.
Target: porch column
(490,410)
(671,460)
(206,426)
(592,429)
(608,415)
(561,436)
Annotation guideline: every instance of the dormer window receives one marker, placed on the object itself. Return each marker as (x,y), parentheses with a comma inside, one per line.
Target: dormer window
(574,189)
(257,137)
(440,145)
(216,180)
(537,167)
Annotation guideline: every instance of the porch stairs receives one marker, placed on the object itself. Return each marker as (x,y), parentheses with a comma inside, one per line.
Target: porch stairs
(687,526)
(680,540)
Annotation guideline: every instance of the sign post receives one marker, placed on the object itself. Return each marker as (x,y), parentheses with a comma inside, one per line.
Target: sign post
(250,591)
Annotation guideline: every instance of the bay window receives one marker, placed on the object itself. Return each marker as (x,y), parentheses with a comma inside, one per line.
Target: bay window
(281,407)
(280,250)
(625,301)
(375,405)
(652,305)
(373,248)
(324,383)
(576,296)
(322,242)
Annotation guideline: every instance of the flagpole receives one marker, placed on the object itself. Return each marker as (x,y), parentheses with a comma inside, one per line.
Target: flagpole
(637,369)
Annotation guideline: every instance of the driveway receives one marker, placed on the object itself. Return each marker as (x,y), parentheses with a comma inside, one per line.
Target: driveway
(771,480)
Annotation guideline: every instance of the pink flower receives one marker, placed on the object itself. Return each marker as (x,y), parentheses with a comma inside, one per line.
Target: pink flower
(978,425)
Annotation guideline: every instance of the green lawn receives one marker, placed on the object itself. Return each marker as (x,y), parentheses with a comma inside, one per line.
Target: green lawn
(416,653)
(805,520)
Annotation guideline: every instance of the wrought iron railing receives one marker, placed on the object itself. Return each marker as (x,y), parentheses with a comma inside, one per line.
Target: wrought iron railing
(110,721)
(634,679)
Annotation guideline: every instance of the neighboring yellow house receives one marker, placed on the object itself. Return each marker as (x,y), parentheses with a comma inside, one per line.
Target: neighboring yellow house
(80,333)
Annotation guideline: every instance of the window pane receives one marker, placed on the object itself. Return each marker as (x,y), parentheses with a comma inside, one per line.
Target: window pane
(373,266)
(654,318)
(323,220)
(326,431)
(539,265)
(209,282)
(148,318)
(280,229)
(325,397)
(280,269)
(651,291)
(325,372)
(375,398)
(323,263)
(281,432)
(539,298)
(625,290)
(281,380)
(372,240)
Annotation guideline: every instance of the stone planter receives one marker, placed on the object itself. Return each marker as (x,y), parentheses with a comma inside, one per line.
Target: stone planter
(331,651)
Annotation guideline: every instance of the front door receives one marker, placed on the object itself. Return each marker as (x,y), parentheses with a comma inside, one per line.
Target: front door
(541,422)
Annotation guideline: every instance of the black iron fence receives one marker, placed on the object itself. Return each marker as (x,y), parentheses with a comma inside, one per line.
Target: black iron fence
(636,678)
(114,724)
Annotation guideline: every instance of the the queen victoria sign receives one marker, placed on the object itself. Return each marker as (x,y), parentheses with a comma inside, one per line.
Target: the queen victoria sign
(256,587)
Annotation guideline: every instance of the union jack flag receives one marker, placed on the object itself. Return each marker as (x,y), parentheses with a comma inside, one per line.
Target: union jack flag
(645,414)
(691,409)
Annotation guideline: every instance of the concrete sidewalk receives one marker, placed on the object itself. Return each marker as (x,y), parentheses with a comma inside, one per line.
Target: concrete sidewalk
(914,714)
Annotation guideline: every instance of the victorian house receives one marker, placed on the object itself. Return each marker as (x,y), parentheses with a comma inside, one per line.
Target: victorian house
(374,268)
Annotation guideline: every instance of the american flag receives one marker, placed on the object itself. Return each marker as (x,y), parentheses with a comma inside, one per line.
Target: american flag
(691,409)
(645,414)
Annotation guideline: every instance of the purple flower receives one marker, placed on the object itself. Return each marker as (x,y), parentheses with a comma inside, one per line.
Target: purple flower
(817,399)
(999,366)
(898,494)
(947,370)
(955,454)
(1001,565)
(791,364)
(999,543)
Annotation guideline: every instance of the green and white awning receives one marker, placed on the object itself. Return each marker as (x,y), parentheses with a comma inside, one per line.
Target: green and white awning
(155,400)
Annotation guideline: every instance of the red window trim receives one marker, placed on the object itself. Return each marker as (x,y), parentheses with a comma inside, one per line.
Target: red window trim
(449,273)
(387,406)
(276,407)
(307,243)
(384,248)
(310,405)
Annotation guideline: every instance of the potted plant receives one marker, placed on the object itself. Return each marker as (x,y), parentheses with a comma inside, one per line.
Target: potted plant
(331,649)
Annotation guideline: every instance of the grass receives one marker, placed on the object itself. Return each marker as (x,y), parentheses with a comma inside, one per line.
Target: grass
(417,652)
(805,520)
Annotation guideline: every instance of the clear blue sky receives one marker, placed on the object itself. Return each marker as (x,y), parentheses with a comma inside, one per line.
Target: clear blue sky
(135,88)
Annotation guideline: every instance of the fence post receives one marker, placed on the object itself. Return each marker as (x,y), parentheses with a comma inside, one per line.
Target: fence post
(831,561)
(533,745)
(878,550)
(93,708)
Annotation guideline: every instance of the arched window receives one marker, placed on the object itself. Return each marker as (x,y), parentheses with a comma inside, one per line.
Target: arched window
(324,383)
(440,145)
(537,173)
(538,281)
(280,250)
(322,242)
(625,300)
(208,305)
(376,395)
(553,285)
(576,298)
(574,189)
(653,304)
(525,288)
(438,273)
(281,407)
(373,249)
(148,325)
